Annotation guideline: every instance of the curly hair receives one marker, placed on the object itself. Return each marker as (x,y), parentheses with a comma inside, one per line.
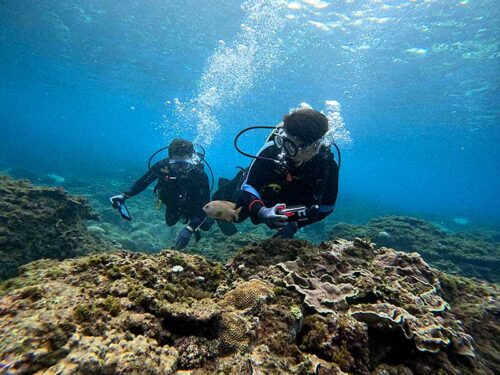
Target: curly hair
(306,124)
(180,147)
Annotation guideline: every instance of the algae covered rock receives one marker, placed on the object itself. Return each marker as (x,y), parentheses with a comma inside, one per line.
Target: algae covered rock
(83,321)
(293,308)
(389,302)
(41,222)
(475,254)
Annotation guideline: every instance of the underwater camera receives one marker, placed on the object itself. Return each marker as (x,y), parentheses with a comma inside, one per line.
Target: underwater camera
(293,213)
(119,204)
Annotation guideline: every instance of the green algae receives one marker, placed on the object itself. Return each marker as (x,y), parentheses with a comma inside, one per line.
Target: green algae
(316,332)
(32,292)
(114,272)
(342,357)
(84,312)
(112,305)
(296,312)
(55,272)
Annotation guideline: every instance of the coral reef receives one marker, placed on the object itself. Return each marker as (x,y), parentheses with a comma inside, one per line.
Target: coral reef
(387,290)
(278,307)
(41,222)
(475,254)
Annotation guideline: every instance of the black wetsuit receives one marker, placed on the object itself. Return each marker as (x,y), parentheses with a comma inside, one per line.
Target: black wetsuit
(314,182)
(184,195)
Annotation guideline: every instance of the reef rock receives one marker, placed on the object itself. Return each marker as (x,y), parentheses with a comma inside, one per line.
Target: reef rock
(475,254)
(41,222)
(293,308)
(386,290)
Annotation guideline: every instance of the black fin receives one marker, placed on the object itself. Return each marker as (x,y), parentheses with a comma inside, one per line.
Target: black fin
(227,228)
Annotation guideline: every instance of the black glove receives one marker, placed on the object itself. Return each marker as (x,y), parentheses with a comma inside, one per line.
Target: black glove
(288,231)
(271,218)
(183,237)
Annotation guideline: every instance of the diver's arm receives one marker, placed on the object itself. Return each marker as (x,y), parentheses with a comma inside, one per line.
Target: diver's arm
(259,174)
(327,204)
(250,203)
(142,183)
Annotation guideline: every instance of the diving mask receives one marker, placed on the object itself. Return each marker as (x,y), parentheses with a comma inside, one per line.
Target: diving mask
(292,146)
(184,163)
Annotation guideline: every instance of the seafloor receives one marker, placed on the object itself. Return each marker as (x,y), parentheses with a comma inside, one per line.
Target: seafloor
(109,303)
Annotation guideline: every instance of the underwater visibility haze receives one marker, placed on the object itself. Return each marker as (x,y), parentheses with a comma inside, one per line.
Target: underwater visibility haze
(401,278)
(89,88)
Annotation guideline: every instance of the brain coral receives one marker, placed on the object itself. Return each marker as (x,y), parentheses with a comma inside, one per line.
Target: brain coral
(232,332)
(236,313)
(247,294)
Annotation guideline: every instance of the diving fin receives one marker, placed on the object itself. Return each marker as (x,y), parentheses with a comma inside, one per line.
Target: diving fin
(227,228)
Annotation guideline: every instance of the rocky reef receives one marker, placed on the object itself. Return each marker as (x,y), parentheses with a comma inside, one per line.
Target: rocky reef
(41,222)
(278,307)
(473,254)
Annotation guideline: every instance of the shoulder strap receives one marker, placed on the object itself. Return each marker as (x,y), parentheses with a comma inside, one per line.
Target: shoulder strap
(326,177)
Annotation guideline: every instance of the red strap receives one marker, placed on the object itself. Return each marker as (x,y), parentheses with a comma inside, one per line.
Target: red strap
(251,204)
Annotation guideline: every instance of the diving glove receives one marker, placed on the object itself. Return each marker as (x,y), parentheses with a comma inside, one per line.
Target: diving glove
(288,231)
(183,237)
(271,218)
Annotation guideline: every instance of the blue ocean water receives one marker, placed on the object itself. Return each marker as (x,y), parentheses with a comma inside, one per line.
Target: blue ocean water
(91,88)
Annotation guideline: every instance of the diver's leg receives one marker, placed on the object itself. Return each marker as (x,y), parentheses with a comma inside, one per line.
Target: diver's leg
(207,223)
(171,217)
(227,228)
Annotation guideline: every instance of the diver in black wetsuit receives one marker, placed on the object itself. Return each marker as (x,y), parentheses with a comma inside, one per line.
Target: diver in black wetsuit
(182,185)
(307,176)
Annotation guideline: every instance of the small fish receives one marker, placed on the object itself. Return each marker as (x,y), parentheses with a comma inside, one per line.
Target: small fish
(222,210)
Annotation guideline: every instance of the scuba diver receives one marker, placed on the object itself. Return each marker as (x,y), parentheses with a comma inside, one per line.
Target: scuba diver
(182,185)
(293,181)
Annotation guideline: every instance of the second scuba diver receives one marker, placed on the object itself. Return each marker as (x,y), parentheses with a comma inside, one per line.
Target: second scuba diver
(182,185)
(293,181)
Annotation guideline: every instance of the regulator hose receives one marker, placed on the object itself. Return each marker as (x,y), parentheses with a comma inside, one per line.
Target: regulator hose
(264,158)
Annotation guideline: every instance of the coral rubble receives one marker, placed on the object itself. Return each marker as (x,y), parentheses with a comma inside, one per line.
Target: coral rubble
(278,307)
(475,254)
(41,222)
